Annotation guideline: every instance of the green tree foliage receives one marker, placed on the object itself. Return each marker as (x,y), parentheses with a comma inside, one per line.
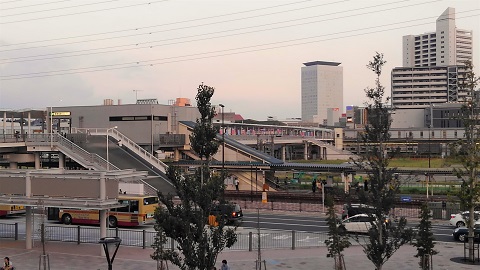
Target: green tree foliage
(467,151)
(197,243)
(337,238)
(425,239)
(383,239)
(202,139)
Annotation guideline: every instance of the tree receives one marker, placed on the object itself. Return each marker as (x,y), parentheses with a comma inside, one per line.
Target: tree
(337,238)
(425,245)
(468,151)
(187,223)
(383,239)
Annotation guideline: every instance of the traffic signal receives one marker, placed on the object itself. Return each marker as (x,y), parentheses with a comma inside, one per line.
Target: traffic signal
(365,185)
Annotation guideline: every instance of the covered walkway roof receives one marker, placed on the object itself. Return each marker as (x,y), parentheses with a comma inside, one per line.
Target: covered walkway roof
(64,188)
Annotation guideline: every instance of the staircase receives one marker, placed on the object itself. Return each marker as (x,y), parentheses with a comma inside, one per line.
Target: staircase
(126,142)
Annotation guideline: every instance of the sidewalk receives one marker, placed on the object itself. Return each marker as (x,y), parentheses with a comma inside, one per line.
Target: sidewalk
(87,256)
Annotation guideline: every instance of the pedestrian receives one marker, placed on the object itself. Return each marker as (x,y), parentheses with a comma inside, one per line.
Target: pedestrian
(225,265)
(314,186)
(7,264)
(237,183)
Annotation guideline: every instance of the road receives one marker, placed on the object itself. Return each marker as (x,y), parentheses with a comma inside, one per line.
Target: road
(276,228)
(313,223)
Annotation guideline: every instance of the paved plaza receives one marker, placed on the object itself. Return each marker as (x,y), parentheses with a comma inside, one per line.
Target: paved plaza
(87,256)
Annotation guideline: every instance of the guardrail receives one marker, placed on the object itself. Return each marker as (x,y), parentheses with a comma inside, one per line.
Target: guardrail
(145,239)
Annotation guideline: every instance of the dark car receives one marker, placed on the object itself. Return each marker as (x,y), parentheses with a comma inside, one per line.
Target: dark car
(350,210)
(231,213)
(461,234)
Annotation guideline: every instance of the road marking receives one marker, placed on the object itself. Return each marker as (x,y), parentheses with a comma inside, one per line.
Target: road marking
(307,239)
(261,235)
(284,219)
(290,224)
(282,237)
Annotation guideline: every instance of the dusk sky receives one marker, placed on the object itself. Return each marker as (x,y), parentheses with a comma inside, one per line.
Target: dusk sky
(72,52)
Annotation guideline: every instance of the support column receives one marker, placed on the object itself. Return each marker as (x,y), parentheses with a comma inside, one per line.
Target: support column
(284,154)
(28,214)
(29,124)
(103,213)
(176,155)
(305,150)
(37,160)
(61,160)
(4,123)
(28,227)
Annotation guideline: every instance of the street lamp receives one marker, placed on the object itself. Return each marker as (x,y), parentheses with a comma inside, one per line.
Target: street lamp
(223,141)
(110,243)
(51,127)
(108,162)
(429,154)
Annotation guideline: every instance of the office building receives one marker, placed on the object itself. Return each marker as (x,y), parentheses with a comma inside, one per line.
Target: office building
(322,92)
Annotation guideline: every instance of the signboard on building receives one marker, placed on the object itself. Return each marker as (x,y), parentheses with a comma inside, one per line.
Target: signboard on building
(60,113)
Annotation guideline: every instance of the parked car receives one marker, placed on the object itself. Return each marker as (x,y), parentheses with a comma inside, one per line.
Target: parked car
(232,213)
(458,220)
(461,233)
(359,223)
(350,210)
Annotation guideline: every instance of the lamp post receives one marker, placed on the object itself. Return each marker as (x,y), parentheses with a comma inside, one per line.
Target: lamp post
(136,95)
(51,127)
(428,175)
(223,141)
(108,162)
(110,243)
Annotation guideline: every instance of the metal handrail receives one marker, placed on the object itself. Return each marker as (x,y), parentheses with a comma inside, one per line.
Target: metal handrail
(90,159)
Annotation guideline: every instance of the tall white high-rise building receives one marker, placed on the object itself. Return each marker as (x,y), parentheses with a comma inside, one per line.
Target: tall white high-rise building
(322,92)
(447,46)
(432,66)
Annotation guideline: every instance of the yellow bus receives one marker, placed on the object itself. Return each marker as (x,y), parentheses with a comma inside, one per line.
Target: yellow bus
(6,210)
(135,210)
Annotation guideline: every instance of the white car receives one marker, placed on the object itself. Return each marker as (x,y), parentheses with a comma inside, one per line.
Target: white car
(358,223)
(458,220)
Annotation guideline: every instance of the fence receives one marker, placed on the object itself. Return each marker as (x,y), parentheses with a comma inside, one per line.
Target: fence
(145,239)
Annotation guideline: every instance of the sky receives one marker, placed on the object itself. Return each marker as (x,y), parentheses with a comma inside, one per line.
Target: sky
(73,53)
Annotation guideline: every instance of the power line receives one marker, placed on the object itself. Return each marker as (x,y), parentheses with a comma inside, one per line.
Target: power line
(6,2)
(84,12)
(138,63)
(172,29)
(136,47)
(138,28)
(42,4)
(45,10)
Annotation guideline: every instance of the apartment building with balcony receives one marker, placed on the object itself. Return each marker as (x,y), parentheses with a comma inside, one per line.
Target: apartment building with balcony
(419,87)
(432,66)
(447,46)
